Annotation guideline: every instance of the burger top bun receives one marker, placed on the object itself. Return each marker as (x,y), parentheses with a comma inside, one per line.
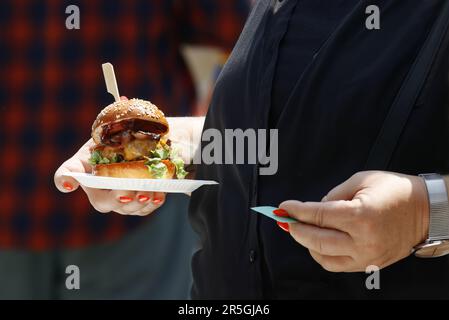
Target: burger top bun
(128,110)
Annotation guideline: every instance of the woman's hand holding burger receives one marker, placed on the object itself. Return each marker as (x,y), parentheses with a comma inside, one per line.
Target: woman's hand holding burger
(120,149)
(120,201)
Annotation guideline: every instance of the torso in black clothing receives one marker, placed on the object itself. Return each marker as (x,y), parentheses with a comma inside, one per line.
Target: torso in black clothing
(310,24)
(327,83)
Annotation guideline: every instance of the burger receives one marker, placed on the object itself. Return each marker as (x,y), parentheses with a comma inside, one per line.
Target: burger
(131,141)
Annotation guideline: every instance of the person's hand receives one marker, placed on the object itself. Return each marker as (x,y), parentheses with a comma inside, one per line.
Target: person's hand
(373,218)
(123,202)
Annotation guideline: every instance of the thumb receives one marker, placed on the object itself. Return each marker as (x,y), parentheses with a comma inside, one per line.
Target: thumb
(345,190)
(65,183)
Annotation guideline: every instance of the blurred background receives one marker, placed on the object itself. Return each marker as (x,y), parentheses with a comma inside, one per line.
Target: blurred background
(51,89)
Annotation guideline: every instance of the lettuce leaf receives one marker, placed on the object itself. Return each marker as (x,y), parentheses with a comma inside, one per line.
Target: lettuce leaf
(158,169)
(116,158)
(179,165)
(97,158)
(161,153)
(151,161)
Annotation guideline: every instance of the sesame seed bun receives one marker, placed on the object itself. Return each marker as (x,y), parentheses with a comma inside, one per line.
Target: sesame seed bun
(133,109)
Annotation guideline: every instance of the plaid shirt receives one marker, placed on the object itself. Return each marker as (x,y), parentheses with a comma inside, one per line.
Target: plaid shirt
(51,89)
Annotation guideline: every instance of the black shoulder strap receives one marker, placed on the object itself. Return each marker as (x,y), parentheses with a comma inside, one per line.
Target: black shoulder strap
(385,144)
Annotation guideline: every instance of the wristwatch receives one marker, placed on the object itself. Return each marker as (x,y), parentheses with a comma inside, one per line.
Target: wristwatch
(437,244)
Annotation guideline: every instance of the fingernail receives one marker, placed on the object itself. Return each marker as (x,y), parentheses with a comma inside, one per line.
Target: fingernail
(143,198)
(284,226)
(280,213)
(157,201)
(67,185)
(125,199)
(324,199)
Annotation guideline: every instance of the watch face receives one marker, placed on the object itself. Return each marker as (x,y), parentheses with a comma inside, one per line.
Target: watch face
(433,250)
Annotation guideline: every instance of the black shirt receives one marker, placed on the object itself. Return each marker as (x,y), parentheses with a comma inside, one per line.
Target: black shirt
(328,96)
(309,25)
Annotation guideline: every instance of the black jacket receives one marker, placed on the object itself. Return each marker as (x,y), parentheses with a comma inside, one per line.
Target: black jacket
(326,132)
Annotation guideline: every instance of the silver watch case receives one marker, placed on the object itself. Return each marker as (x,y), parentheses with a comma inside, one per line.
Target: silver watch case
(432,249)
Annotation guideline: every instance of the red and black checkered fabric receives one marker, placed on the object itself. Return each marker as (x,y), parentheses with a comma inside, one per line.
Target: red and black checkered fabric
(51,89)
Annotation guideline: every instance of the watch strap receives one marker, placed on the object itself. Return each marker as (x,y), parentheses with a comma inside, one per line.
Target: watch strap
(439,206)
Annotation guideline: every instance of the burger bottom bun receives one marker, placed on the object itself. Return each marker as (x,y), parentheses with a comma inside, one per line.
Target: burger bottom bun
(132,169)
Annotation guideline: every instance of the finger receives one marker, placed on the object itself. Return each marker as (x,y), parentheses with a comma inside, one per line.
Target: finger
(334,264)
(144,197)
(65,183)
(123,196)
(344,191)
(147,208)
(102,200)
(333,215)
(132,209)
(157,201)
(127,200)
(158,198)
(124,98)
(132,204)
(323,241)
(124,212)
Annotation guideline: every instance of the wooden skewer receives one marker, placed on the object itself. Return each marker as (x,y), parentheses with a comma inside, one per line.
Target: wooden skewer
(111,82)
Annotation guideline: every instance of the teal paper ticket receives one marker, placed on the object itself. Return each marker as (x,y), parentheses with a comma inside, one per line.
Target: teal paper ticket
(268,211)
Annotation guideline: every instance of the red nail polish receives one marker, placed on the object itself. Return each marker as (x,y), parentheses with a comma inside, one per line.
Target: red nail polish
(280,213)
(284,226)
(125,199)
(157,201)
(143,198)
(67,185)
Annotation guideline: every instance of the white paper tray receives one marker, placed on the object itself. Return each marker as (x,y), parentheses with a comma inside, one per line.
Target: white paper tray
(158,185)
